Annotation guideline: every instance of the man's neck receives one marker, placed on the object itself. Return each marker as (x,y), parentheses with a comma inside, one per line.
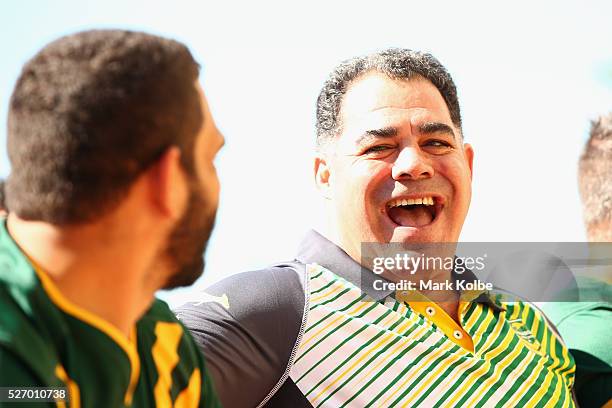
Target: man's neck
(449,301)
(90,268)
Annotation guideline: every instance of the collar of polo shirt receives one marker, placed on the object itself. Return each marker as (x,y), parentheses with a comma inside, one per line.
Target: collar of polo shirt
(315,248)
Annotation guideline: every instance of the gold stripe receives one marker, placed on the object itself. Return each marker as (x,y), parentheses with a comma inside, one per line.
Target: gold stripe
(435,375)
(165,356)
(546,331)
(520,392)
(515,311)
(408,378)
(499,368)
(537,396)
(190,396)
(386,338)
(129,347)
(475,377)
(73,388)
(336,287)
(466,365)
(556,394)
(475,316)
(357,308)
(387,355)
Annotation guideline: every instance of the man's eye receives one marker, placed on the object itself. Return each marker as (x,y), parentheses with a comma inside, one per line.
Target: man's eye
(376,149)
(437,143)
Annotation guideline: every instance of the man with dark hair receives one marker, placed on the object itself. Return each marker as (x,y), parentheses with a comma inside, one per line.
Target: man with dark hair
(112,196)
(392,167)
(585,325)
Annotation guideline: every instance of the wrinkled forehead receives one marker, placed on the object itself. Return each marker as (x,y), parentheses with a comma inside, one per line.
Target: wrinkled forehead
(375,100)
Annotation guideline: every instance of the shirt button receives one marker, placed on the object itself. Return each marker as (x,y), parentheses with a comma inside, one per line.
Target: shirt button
(430,311)
(458,335)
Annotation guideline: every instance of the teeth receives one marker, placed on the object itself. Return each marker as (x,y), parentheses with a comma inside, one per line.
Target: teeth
(411,201)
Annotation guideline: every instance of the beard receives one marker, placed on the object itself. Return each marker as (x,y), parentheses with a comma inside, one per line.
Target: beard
(187,242)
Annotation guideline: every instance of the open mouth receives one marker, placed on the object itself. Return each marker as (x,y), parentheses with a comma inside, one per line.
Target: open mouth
(414,212)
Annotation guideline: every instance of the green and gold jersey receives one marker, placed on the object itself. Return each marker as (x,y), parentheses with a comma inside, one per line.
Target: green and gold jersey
(47,341)
(356,352)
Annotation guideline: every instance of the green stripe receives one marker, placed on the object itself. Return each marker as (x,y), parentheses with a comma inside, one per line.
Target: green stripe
(353,354)
(333,312)
(446,373)
(313,277)
(537,384)
(369,361)
(407,333)
(333,331)
(528,323)
(322,288)
(401,374)
(468,313)
(458,382)
(550,392)
(490,371)
(506,370)
(336,297)
(422,376)
(489,331)
(518,382)
(346,340)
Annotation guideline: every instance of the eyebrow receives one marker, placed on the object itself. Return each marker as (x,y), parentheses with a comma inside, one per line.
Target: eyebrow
(372,134)
(426,128)
(436,127)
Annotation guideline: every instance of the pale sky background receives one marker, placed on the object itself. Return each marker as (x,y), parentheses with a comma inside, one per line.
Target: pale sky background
(530,75)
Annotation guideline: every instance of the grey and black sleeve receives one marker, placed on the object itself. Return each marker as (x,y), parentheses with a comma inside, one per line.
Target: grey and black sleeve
(247,327)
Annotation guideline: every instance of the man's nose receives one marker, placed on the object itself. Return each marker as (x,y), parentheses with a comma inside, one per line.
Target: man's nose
(411,164)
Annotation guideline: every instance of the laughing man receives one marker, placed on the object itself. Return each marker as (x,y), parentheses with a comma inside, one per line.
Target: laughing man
(393,167)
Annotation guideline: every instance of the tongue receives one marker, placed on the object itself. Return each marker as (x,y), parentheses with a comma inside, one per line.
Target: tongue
(413,216)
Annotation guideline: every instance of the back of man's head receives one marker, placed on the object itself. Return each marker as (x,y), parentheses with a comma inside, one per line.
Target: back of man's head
(89,113)
(595,181)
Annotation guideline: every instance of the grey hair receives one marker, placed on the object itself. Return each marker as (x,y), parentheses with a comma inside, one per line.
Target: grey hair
(594,171)
(397,63)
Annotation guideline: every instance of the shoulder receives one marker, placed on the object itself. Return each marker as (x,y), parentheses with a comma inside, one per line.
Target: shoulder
(247,325)
(23,345)
(256,300)
(159,322)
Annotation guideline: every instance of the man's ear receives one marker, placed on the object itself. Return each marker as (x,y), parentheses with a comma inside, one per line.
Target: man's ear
(469,156)
(168,184)
(322,176)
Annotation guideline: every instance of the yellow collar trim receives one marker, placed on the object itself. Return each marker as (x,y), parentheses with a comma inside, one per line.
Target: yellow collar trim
(434,313)
(129,345)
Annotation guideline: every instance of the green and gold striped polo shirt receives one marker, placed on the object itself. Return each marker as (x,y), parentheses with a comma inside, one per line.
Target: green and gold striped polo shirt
(355,351)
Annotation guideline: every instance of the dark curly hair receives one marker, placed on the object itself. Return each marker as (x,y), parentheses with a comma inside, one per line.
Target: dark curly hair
(397,63)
